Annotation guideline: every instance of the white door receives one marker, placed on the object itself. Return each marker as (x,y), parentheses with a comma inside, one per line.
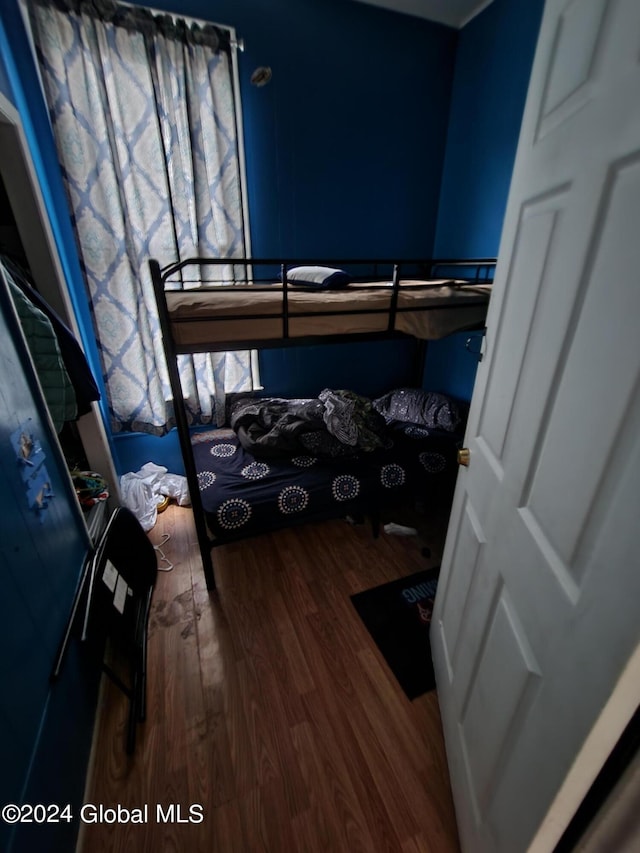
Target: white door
(537,620)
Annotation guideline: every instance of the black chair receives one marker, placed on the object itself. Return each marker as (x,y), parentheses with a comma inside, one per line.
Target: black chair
(123,576)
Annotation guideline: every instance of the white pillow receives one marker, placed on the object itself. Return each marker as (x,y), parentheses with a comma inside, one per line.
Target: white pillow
(318,278)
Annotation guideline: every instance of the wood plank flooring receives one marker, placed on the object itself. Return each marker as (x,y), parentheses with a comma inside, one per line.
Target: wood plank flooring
(270,705)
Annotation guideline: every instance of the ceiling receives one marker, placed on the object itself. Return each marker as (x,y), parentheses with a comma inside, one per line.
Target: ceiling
(454,13)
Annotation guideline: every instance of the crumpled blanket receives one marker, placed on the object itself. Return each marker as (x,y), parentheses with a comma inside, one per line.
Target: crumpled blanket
(271,426)
(335,424)
(353,420)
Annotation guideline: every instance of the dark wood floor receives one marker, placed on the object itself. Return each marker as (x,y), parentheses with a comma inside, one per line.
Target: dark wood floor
(270,705)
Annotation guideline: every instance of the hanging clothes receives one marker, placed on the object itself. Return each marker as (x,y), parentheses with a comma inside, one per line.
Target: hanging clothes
(45,352)
(75,362)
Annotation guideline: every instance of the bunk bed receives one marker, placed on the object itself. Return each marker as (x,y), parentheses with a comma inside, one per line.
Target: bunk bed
(216,304)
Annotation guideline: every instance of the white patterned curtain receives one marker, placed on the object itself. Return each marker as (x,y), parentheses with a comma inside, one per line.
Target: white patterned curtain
(143,113)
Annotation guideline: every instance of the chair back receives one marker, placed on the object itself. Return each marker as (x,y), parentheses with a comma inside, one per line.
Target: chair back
(124,572)
(127,547)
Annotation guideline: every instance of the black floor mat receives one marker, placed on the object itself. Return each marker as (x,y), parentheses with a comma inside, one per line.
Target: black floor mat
(398,617)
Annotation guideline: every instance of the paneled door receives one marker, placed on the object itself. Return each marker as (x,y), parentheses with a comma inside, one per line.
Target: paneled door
(536,626)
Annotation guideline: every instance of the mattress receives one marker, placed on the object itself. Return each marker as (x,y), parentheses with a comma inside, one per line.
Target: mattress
(244,496)
(204,318)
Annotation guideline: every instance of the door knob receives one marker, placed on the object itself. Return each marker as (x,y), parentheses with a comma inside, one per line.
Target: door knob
(464,454)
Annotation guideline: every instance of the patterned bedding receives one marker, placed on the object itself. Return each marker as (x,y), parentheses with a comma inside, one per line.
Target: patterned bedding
(243,495)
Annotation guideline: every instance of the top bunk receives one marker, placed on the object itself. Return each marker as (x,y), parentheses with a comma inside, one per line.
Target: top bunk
(214,304)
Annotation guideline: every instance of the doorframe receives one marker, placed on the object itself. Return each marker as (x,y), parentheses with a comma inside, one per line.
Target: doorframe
(603,737)
(34,227)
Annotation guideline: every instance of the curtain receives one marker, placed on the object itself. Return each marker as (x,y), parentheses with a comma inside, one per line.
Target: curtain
(143,114)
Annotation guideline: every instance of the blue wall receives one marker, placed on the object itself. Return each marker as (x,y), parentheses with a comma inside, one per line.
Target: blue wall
(45,728)
(345,145)
(493,65)
(360,368)
(5,85)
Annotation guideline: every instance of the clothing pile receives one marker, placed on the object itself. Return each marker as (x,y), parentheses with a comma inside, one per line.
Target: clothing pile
(335,424)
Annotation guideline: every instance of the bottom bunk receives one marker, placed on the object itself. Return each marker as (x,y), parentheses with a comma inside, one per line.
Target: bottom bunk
(278,467)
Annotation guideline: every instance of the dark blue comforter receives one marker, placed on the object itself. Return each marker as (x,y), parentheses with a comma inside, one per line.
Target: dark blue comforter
(244,495)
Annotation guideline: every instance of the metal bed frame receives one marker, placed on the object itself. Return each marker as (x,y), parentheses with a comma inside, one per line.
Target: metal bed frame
(476,271)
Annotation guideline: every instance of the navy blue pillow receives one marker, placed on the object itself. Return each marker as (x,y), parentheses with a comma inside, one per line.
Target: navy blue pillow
(421,408)
(318,278)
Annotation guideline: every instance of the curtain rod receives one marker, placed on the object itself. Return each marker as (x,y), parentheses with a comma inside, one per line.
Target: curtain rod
(234,42)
